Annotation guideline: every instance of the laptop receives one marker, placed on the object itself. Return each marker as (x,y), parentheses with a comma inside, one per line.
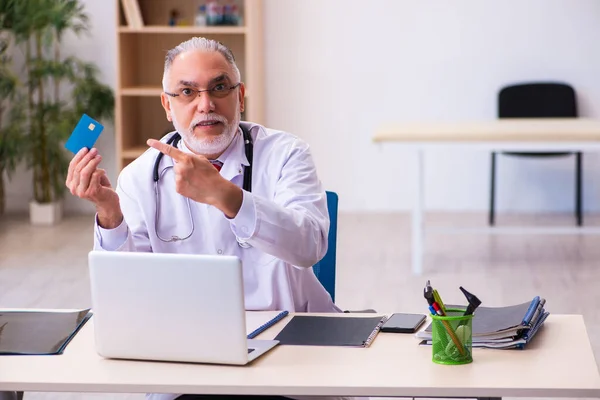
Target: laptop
(171,307)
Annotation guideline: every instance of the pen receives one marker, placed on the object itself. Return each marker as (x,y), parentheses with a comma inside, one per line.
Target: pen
(456,341)
(438,300)
(267,325)
(428,293)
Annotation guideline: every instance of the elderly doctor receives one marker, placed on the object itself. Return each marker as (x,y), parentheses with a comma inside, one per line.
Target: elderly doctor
(217,186)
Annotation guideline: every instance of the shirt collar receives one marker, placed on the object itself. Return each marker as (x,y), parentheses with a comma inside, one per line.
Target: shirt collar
(233,158)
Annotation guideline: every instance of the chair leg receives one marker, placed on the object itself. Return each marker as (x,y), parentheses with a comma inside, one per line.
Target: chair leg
(578,183)
(492,216)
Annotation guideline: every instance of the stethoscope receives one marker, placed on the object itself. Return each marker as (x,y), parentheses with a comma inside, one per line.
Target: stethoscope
(174,140)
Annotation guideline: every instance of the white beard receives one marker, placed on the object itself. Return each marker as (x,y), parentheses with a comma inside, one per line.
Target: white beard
(208,146)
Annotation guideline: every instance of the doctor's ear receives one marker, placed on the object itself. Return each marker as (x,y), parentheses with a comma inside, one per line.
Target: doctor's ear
(167,106)
(242,95)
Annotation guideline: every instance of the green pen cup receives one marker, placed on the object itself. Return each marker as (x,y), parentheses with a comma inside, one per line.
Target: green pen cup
(451,337)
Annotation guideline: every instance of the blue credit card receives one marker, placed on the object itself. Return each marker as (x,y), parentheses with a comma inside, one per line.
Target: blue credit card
(85,134)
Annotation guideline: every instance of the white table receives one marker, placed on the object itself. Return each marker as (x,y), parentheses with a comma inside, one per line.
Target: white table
(547,134)
(558,363)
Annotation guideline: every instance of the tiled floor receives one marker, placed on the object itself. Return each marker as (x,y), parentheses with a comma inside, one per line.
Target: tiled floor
(46,267)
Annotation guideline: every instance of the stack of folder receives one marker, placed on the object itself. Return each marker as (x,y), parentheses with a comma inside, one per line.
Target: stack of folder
(509,327)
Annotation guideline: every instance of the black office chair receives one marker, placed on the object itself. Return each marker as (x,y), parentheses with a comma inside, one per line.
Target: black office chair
(538,100)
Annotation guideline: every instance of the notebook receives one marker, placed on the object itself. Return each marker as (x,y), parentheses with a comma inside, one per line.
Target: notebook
(312,330)
(39,332)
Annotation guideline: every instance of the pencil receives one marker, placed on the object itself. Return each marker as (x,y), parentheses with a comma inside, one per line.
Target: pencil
(456,341)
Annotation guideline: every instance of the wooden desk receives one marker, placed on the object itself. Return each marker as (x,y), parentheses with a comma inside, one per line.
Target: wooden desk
(544,134)
(559,363)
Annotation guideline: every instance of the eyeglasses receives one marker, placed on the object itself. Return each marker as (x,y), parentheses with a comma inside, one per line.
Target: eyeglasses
(187,95)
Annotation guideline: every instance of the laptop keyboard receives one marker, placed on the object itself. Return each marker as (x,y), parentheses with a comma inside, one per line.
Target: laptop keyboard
(250,351)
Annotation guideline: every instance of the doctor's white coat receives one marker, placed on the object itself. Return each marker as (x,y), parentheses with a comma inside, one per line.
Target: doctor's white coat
(284,219)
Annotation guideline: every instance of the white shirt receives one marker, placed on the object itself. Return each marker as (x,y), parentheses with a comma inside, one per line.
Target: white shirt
(284,219)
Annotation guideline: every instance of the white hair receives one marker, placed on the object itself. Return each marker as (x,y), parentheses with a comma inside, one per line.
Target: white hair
(199,44)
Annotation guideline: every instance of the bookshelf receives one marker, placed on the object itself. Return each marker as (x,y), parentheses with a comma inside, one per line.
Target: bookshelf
(143,38)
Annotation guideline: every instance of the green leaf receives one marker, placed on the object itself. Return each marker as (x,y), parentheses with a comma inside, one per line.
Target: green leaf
(38,113)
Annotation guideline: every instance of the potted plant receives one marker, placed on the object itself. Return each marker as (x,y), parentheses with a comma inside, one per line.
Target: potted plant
(11,117)
(58,90)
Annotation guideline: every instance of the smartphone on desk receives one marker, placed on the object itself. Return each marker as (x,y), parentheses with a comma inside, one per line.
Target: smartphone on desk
(403,323)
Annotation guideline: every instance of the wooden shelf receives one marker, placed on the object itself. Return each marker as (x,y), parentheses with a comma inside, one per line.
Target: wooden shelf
(134,152)
(141,91)
(143,38)
(149,91)
(199,30)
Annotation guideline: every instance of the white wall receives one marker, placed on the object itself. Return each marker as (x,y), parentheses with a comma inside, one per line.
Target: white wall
(102,38)
(333,79)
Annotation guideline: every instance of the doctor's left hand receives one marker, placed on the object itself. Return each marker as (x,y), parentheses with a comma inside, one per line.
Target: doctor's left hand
(197,179)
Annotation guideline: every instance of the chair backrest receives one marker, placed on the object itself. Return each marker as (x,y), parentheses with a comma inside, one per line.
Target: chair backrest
(325,269)
(537,100)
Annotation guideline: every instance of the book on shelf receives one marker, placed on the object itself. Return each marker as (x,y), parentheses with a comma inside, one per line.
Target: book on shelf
(133,15)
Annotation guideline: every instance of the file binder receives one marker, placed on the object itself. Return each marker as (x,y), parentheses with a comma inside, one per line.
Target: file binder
(311,330)
(503,327)
(39,332)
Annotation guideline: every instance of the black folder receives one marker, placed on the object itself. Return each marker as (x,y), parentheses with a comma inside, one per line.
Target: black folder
(312,330)
(39,332)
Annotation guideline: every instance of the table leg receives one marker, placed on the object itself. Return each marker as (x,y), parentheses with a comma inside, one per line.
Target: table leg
(11,395)
(417,216)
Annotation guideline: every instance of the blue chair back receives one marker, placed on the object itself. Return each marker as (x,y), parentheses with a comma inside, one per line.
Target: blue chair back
(325,269)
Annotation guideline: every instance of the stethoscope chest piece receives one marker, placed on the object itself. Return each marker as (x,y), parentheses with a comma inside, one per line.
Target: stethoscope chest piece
(242,243)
